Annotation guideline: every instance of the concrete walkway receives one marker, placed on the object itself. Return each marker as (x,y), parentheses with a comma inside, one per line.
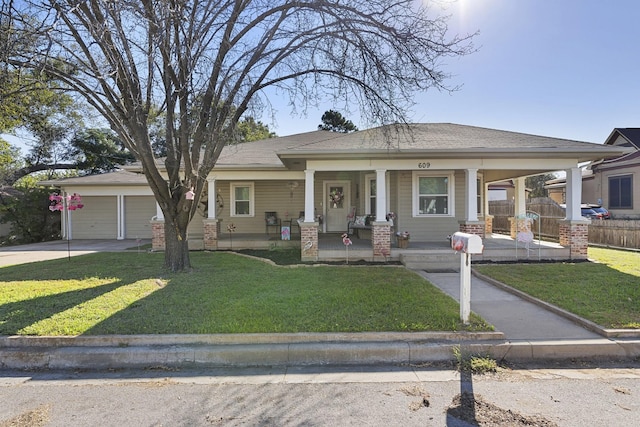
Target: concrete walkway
(516,318)
(44,251)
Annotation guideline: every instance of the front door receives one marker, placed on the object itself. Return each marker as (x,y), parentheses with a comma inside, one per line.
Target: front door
(337,205)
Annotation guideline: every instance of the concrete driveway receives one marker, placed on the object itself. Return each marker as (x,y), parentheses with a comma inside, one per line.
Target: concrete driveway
(23,254)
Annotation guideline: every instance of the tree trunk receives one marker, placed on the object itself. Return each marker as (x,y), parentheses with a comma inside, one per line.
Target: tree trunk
(176,253)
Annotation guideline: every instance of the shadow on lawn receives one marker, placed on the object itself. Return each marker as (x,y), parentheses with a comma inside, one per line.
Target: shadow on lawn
(118,272)
(15,316)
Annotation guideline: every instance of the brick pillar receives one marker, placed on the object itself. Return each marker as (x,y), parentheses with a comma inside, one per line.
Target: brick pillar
(381,240)
(211,232)
(309,241)
(488,225)
(473,227)
(575,235)
(157,235)
(520,225)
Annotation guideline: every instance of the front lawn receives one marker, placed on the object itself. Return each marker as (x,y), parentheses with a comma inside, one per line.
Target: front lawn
(129,293)
(606,291)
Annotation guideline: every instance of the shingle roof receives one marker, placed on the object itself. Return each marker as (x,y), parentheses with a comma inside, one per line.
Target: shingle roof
(433,139)
(630,134)
(118,177)
(444,139)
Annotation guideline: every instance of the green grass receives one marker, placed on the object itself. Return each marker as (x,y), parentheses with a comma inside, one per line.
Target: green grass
(130,293)
(606,291)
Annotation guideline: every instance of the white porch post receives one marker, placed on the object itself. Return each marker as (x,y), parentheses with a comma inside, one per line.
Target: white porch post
(121,219)
(574,194)
(211,198)
(520,197)
(309,206)
(470,203)
(381,195)
(485,198)
(159,213)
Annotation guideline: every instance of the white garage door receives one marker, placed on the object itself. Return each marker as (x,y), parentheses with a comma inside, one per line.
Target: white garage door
(138,211)
(98,219)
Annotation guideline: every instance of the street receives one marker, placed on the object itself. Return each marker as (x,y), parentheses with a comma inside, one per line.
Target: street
(574,395)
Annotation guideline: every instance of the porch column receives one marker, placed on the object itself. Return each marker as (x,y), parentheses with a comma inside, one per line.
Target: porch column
(210,224)
(520,206)
(157,230)
(211,198)
(309,192)
(121,217)
(381,194)
(471,224)
(488,218)
(381,228)
(309,228)
(574,229)
(471,199)
(574,194)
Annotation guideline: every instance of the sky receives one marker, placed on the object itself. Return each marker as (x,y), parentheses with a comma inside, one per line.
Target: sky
(560,68)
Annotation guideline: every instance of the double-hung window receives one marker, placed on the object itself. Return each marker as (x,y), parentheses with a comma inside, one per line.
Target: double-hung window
(242,203)
(621,192)
(433,194)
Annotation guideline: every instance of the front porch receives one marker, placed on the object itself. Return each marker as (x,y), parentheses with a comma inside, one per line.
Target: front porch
(419,254)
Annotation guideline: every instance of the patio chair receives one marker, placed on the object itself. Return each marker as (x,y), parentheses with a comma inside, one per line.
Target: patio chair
(271,220)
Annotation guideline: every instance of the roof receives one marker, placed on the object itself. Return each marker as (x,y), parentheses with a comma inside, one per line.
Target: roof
(632,135)
(398,141)
(118,177)
(437,140)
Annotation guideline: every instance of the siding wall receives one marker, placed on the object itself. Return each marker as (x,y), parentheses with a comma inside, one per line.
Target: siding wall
(98,219)
(138,211)
(426,229)
(602,187)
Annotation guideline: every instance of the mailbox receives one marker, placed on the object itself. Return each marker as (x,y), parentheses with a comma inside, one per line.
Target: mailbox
(466,243)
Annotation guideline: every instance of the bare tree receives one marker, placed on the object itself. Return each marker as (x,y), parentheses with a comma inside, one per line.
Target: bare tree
(207,62)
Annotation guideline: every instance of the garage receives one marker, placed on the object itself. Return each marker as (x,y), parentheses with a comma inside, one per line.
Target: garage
(138,211)
(98,219)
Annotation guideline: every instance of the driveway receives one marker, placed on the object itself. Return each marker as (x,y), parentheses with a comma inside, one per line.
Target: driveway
(23,254)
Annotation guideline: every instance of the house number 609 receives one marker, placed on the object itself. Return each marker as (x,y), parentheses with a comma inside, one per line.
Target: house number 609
(424,165)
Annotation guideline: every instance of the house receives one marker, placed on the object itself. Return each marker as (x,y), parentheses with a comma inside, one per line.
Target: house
(610,182)
(433,177)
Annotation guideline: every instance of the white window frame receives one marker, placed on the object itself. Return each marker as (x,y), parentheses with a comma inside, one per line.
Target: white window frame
(450,193)
(480,195)
(232,197)
(367,190)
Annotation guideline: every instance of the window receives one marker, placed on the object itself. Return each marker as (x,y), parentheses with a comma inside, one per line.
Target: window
(242,199)
(433,195)
(480,196)
(620,192)
(371,194)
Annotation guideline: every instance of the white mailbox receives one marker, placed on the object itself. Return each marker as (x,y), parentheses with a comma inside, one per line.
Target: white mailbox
(466,243)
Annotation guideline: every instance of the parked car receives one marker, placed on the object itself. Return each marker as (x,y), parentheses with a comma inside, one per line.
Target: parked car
(590,213)
(603,211)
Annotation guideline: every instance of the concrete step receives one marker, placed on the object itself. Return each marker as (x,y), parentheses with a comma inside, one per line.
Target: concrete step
(434,260)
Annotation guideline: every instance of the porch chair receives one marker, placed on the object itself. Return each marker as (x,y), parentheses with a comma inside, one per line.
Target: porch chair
(271,220)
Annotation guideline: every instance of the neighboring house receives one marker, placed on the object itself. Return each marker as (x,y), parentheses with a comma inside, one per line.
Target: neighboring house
(505,190)
(611,182)
(434,177)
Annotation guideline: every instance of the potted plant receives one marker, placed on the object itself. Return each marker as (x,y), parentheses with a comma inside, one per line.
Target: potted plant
(403,239)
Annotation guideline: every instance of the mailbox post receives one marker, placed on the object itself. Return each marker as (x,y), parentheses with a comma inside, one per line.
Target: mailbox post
(466,244)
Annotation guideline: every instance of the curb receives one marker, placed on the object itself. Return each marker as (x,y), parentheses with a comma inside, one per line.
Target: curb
(152,352)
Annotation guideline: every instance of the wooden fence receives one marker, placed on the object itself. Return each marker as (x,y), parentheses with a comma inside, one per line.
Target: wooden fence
(622,233)
(616,233)
(548,210)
